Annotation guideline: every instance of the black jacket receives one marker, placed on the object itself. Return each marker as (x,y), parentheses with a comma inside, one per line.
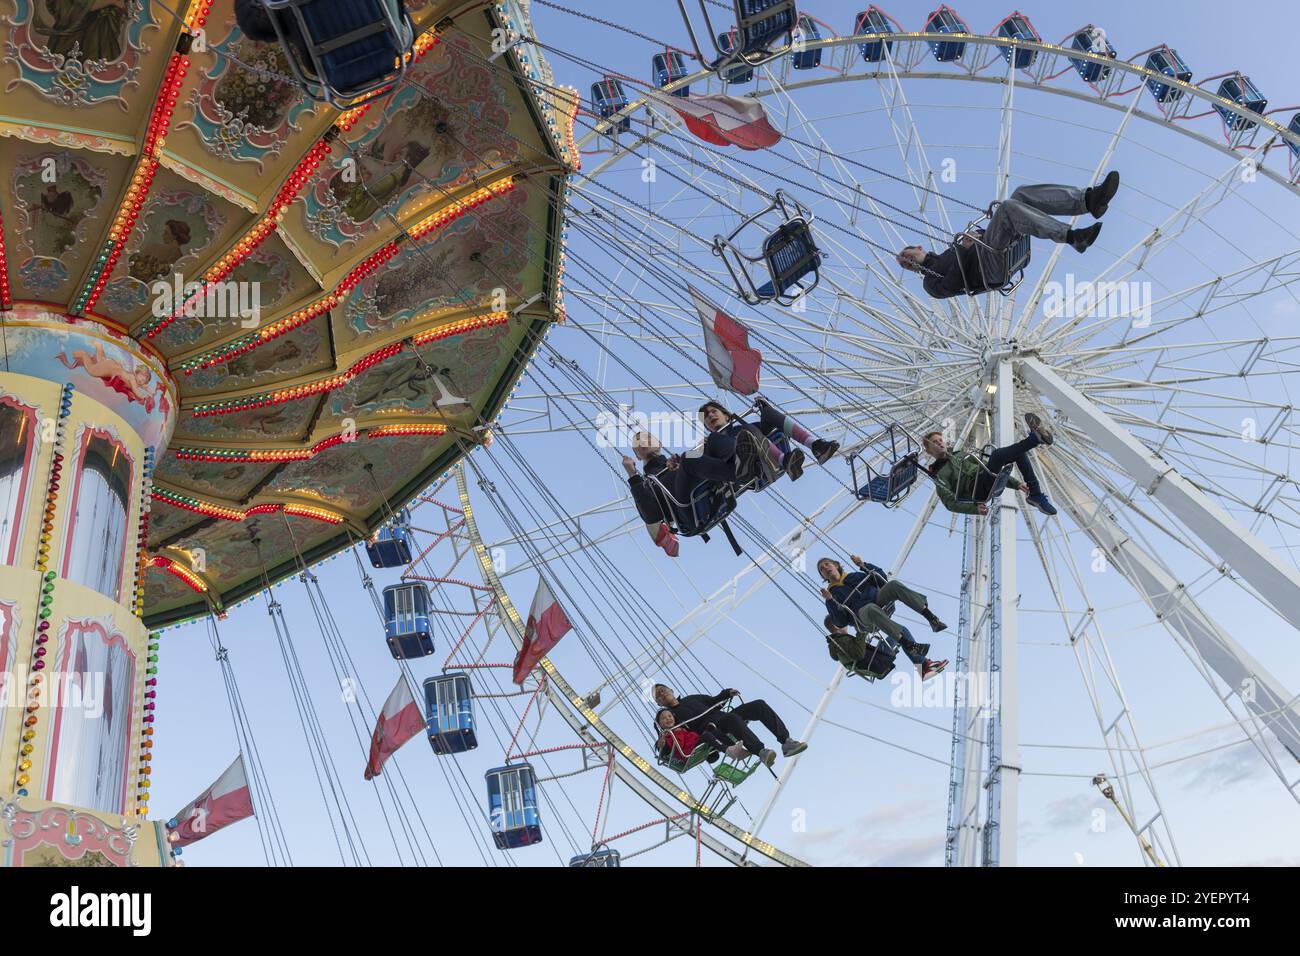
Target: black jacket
(855,592)
(694,706)
(954,275)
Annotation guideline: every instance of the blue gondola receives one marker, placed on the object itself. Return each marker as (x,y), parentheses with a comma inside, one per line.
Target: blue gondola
(602,857)
(1243,92)
(1167,62)
(945,20)
(512,806)
(449,713)
(739,73)
(1092,39)
(668,67)
(1018,27)
(390,546)
(1294,126)
(607,98)
(874,20)
(406,620)
(888,488)
(342,53)
(804,58)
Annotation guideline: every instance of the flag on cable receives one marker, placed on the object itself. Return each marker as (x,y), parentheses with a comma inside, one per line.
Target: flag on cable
(732,363)
(547,623)
(723,120)
(398,722)
(225,802)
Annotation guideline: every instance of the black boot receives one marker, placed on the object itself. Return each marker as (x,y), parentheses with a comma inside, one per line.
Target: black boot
(1081,239)
(794,464)
(936,625)
(824,450)
(1097,198)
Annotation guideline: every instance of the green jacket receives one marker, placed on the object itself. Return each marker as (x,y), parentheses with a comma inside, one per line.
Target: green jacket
(957,476)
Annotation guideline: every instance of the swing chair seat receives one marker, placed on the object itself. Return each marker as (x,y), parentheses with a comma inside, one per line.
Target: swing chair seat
(891,487)
(995,490)
(758,24)
(342,53)
(789,255)
(1001,270)
(712,502)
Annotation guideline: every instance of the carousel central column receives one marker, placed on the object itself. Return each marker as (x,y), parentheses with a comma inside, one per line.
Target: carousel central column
(84,413)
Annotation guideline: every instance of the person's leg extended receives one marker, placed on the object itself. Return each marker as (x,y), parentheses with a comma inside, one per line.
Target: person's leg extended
(772,418)
(896,590)
(1018,453)
(730,723)
(1012,219)
(760,711)
(1053,200)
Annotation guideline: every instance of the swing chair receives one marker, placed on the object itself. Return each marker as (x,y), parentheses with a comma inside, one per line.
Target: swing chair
(1001,270)
(343,53)
(890,487)
(788,254)
(758,24)
(969,495)
(712,502)
(727,774)
(867,656)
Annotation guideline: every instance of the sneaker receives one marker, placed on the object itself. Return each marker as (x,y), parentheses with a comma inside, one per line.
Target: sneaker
(792,747)
(737,752)
(794,464)
(664,538)
(931,668)
(768,756)
(1098,198)
(1037,427)
(1081,239)
(747,453)
(823,450)
(1042,503)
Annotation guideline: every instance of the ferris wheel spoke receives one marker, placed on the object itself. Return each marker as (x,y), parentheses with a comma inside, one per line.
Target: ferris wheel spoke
(1211,647)
(1114,718)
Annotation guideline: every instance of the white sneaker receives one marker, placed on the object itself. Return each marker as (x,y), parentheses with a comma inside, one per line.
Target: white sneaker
(737,752)
(792,747)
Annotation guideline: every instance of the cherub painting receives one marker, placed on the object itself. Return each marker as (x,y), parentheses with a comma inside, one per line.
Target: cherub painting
(133,383)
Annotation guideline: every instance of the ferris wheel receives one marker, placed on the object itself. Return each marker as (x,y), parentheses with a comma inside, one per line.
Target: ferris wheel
(1161,359)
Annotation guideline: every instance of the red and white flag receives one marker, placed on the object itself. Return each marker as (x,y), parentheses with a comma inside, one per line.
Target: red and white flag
(723,120)
(732,363)
(399,721)
(225,802)
(547,623)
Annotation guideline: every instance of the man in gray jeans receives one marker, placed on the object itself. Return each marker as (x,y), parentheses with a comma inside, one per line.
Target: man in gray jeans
(971,267)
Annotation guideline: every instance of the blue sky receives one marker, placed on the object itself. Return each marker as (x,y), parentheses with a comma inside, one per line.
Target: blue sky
(873,787)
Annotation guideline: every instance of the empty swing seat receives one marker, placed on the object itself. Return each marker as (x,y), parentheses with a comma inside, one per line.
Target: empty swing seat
(1018,27)
(512,806)
(1240,90)
(406,620)
(737,73)
(892,487)
(806,32)
(390,546)
(669,67)
(945,20)
(1092,40)
(602,857)
(449,713)
(1166,62)
(349,50)
(607,98)
(791,256)
(874,21)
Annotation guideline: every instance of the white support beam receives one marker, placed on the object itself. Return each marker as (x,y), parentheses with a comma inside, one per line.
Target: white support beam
(1250,558)
(1262,694)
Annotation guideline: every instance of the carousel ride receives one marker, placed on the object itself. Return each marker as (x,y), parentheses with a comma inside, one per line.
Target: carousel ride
(242,320)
